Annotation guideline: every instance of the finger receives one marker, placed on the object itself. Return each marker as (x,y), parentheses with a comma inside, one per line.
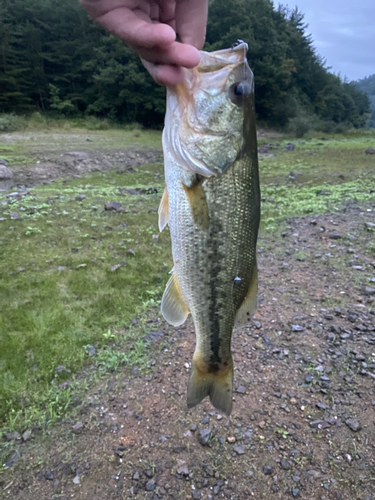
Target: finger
(164,74)
(132,29)
(177,54)
(191,21)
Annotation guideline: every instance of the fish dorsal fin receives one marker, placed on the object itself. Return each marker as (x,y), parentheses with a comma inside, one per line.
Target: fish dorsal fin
(249,305)
(173,306)
(163,210)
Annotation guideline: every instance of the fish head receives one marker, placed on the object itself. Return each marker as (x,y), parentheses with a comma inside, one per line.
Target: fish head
(206,113)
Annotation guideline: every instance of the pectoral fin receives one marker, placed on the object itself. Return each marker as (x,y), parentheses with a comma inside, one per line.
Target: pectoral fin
(163,210)
(173,306)
(249,305)
(198,203)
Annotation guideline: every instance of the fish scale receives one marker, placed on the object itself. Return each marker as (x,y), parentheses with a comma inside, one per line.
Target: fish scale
(212,206)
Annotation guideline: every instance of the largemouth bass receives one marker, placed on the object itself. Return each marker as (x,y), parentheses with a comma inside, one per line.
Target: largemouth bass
(212,205)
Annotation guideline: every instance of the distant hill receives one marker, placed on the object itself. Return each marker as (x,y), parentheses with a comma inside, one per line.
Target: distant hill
(367,85)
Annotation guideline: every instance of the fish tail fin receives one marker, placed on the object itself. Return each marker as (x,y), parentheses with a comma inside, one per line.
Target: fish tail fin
(218,385)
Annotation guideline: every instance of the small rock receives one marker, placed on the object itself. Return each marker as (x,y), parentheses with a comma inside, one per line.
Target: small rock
(90,350)
(295,492)
(319,424)
(241,389)
(80,197)
(136,475)
(370,226)
(5,173)
(308,378)
(48,475)
(135,371)
(113,205)
(4,163)
(334,235)
(76,480)
(182,468)
(15,216)
(267,470)
(368,290)
(370,151)
(231,439)
(289,147)
(204,436)
(285,464)
(239,450)
(130,252)
(9,436)
(151,485)
(155,335)
(353,424)
(297,328)
(26,435)
(197,495)
(115,267)
(264,149)
(77,428)
(12,459)
(61,369)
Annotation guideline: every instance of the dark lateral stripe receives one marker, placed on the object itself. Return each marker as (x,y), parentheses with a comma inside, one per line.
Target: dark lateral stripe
(216,229)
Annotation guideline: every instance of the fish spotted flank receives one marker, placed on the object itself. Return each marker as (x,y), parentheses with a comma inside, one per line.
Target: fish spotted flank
(212,205)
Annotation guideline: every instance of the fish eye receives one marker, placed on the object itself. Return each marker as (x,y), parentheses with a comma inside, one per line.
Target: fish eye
(242,88)
(239,91)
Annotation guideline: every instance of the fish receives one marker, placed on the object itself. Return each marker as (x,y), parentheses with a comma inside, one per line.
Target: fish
(211,203)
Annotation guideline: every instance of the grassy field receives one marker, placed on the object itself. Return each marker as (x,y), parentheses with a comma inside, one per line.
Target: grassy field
(74,275)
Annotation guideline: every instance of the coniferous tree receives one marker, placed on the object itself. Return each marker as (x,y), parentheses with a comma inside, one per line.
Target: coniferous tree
(53,57)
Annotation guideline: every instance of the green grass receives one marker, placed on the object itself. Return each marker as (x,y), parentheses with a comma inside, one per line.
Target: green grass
(328,176)
(67,279)
(58,279)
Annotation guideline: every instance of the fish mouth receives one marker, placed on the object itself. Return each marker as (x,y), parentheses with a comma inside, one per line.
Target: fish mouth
(215,61)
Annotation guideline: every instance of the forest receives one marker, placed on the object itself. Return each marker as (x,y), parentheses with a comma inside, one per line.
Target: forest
(55,59)
(367,85)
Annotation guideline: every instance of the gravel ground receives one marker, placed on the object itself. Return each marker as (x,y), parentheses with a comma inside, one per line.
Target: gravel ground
(303,422)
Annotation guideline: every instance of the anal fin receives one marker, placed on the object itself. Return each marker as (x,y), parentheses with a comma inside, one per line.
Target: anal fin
(249,304)
(173,306)
(163,210)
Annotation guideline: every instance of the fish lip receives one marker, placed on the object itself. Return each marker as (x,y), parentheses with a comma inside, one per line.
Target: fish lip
(213,61)
(240,47)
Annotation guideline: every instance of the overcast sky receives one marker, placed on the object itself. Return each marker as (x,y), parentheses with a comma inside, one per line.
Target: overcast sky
(343,32)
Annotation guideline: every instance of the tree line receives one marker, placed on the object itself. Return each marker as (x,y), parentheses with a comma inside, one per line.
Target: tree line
(54,58)
(367,85)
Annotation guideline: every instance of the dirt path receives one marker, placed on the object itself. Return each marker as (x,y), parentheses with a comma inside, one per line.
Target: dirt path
(303,423)
(50,159)
(77,163)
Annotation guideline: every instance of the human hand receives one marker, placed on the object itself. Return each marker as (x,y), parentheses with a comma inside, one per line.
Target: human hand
(150,27)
